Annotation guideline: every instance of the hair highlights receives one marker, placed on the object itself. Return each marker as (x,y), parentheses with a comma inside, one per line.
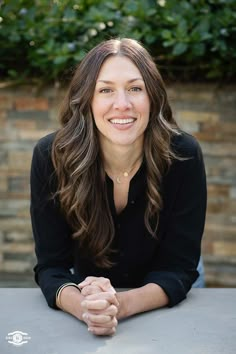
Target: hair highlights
(76,152)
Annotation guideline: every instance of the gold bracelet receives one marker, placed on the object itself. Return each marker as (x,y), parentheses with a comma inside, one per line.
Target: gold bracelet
(59,291)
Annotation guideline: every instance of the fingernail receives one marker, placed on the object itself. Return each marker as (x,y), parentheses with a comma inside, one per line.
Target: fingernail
(82,282)
(85,316)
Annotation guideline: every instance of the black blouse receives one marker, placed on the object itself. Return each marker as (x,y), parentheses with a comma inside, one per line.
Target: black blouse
(169,260)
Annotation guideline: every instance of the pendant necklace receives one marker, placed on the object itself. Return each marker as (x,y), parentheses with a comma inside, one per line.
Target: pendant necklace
(124,175)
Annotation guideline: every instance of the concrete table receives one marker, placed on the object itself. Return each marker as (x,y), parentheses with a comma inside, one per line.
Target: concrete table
(205,323)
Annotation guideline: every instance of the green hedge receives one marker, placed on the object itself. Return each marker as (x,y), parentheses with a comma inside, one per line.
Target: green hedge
(190,40)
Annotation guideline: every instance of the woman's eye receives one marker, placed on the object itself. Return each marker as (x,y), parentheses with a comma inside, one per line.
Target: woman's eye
(135,89)
(106,90)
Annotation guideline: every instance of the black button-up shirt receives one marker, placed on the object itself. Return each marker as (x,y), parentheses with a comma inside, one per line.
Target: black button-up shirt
(169,260)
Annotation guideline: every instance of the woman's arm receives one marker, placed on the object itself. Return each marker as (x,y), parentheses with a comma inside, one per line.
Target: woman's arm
(145,298)
(174,266)
(52,234)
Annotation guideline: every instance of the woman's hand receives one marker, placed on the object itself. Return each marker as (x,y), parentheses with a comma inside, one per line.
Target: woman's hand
(100,305)
(99,313)
(94,285)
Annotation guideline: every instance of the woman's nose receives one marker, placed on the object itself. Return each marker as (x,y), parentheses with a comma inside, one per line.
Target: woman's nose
(122,101)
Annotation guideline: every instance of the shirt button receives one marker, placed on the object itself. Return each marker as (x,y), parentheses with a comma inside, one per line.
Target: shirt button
(126,275)
(118,226)
(132,202)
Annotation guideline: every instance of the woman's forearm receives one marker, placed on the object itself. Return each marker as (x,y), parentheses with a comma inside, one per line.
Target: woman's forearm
(70,301)
(145,298)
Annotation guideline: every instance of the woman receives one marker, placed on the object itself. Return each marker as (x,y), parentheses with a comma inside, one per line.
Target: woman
(118,194)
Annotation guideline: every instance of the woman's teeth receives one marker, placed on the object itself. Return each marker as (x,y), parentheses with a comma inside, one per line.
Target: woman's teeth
(122,121)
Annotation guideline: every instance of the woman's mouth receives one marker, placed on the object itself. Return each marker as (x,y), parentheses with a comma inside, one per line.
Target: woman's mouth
(121,121)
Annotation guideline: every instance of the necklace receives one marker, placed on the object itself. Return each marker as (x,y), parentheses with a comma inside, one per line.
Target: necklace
(123,176)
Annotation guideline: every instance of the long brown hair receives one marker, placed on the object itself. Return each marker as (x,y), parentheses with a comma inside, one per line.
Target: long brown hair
(76,152)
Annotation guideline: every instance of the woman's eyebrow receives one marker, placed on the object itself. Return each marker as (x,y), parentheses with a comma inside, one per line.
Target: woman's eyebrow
(112,82)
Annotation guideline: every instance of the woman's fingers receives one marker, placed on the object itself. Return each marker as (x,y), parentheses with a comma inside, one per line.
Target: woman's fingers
(100,331)
(100,282)
(90,305)
(91,318)
(110,298)
(104,284)
(87,281)
(112,311)
(90,289)
(100,324)
(100,320)
(100,305)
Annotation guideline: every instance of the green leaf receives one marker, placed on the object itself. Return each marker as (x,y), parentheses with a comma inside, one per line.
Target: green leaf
(69,14)
(179,49)
(169,43)
(166,34)
(205,36)
(203,26)
(151,12)
(60,60)
(182,28)
(198,49)
(150,38)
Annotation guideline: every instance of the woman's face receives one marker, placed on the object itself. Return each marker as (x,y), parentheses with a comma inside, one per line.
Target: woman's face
(120,103)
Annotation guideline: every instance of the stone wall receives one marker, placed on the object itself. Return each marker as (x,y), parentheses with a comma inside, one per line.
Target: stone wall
(206,111)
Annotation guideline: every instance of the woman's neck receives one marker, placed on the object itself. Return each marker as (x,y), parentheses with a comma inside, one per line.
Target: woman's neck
(122,160)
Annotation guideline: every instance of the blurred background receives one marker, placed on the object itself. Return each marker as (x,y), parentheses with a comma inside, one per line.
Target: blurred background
(194,45)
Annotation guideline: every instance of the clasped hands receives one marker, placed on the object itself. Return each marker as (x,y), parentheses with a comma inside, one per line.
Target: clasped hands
(100,305)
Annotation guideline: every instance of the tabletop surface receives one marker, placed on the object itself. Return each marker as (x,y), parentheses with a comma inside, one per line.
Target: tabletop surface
(204,323)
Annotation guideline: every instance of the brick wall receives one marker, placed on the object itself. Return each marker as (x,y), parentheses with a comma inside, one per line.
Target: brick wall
(208,112)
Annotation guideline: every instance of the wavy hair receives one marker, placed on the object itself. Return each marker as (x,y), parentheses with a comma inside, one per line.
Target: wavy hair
(77,157)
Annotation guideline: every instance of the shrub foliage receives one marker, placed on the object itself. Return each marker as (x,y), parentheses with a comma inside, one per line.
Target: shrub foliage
(190,40)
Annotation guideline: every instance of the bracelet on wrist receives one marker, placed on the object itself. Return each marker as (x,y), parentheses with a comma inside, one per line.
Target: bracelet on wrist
(59,291)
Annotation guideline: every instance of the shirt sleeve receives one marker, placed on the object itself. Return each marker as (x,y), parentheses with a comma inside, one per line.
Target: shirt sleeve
(51,232)
(174,266)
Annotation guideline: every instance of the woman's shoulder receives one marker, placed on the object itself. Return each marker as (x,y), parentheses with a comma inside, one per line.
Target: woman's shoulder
(42,152)
(44,144)
(42,169)
(185,145)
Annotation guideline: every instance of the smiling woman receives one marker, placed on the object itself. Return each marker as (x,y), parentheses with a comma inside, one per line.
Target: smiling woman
(118,194)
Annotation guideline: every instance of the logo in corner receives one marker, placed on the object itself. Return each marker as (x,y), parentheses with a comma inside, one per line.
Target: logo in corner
(17,338)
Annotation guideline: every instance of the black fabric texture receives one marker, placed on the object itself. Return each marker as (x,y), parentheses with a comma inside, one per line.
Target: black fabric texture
(169,260)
